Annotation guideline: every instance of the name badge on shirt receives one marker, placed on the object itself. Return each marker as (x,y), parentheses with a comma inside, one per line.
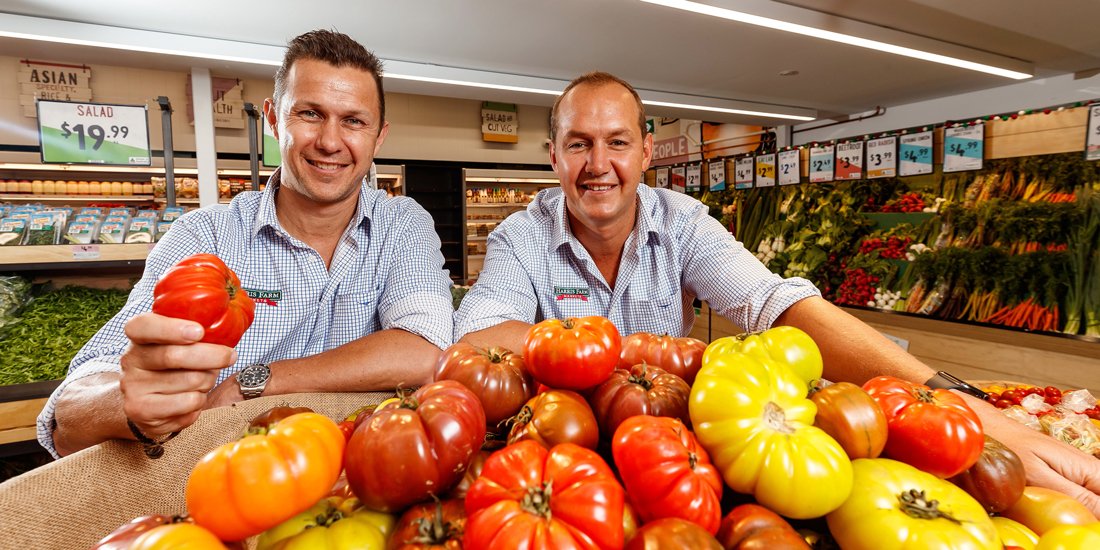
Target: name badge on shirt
(268,297)
(571,293)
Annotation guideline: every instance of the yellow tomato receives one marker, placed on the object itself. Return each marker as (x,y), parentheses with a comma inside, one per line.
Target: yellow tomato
(333,523)
(177,536)
(752,416)
(1071,537)
(1014,533)
(787,346)
(895,506)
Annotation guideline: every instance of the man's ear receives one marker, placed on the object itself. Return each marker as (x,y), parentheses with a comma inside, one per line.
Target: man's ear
(553,155)
(647,151)
(385,131)
(271,116)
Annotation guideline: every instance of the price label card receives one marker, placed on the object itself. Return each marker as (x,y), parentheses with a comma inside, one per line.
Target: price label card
(93,133)
(915,151)
(86,252)
(765,170)
(716,175)
(1092,143)
(963,148)
(821,163)
(272,155)
(882,158)
(789,172)
(849,161)
(743,173)
(678,177)
(662,178)
(694,177)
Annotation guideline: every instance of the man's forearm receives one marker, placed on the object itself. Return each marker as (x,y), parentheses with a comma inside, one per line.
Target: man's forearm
(380,361)
(89,412)
(509,334)
(852,351)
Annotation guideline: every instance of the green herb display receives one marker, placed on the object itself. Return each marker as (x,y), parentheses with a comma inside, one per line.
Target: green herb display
(51,329)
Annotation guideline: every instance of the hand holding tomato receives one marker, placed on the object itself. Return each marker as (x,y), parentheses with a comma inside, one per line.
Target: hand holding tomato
(203,289)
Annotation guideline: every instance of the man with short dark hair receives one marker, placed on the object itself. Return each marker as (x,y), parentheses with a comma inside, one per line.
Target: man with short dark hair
(355,297)
(602,244)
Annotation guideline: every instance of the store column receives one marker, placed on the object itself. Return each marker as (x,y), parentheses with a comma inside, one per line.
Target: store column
(206,153)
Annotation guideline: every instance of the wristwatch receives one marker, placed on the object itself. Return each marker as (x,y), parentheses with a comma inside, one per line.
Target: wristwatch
(947,381)
(253,379)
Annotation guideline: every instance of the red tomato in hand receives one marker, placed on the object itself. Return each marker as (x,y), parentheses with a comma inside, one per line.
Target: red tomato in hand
(933,430)
(666,472)
(640,390)
(415,447)
(574,354)
(495,375)
(202,289)
(538,499)
(680,356)
(555,417)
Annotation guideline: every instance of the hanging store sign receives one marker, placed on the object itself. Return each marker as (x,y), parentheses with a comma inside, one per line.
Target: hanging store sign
(93,133)
(678,177)
(499,122)
(790,172)
(963,148)
(716,175)
(670,151)
(915,152)
(743,173)
(821,163)
(765,170)
(1092,143)
(882,158)
(227,94)
(52,81)
(694,178)
(849,161)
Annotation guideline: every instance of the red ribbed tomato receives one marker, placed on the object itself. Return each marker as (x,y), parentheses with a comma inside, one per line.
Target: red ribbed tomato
(555,417)
(415,447)
(495,375)
(572,354)
(202,289)
(642,389)
(680,356)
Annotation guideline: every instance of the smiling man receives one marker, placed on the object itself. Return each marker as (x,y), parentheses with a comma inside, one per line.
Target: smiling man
(352,294)
(604,245)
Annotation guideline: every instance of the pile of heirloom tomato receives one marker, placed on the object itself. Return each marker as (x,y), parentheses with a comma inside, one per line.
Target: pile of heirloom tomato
(587,440)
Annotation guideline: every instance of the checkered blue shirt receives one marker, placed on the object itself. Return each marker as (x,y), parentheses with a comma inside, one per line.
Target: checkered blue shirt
(536,269)
(386,273)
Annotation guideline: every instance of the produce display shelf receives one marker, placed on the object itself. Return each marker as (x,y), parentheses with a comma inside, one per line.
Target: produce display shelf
(75,198)
(498,205)
(82,256)
(1008,333)
(19,408)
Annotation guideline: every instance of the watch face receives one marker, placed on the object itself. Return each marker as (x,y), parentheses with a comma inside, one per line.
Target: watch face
(253,375)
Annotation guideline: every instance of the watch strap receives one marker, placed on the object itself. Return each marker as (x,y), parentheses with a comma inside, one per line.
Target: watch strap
(946,381)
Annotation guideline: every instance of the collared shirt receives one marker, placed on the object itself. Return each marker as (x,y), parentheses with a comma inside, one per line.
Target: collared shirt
(386,272)
(535,269)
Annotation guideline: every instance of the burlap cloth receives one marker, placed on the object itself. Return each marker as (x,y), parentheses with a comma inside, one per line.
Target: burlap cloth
(75,501)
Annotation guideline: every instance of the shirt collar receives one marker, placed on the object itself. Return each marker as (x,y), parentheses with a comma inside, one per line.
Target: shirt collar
(645,224)
(266,216)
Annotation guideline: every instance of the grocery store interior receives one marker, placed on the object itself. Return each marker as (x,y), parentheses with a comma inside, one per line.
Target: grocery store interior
(965,265)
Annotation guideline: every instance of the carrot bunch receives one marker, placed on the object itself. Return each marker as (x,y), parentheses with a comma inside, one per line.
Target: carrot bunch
(1027,314)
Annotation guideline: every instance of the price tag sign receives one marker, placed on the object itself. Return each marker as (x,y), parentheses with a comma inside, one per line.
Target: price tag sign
(821,163)
(93,133)
(86,252)
(678,177)
(694,177)
(272,156)
(765,170)
(915,151)
(716,175)
(882,157)
(963,148)
(743,173)
(789,172)
(662,178)
(1092,142)
(849,161)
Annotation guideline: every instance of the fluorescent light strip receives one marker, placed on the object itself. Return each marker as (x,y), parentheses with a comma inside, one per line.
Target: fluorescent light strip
(835,37)
(558,92)
(146,49)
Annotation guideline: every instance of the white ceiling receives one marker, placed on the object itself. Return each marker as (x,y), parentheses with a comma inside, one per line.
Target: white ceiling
(656,48)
